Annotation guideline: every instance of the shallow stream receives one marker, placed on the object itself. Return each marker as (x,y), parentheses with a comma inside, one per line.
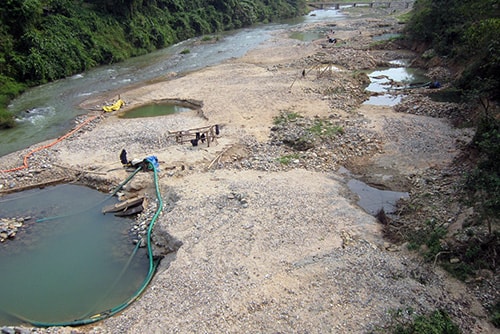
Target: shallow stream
(47,112)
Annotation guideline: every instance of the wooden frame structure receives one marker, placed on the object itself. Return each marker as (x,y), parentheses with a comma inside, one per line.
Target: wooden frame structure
(194,136)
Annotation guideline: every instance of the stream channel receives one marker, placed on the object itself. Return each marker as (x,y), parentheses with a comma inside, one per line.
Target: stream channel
(75,266)
(69,261)
(46,112)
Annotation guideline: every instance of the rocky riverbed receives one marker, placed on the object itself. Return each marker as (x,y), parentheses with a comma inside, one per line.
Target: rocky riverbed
(260,230)
(10,226)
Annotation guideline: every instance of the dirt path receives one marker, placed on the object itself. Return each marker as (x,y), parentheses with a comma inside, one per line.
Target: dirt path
(268,247)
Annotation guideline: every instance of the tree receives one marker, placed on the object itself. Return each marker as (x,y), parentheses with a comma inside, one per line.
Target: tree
(20,15)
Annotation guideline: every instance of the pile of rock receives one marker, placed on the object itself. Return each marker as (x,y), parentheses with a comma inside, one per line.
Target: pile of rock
(296,145)
(440,73)
(420,104)
(349,58)
(10,226)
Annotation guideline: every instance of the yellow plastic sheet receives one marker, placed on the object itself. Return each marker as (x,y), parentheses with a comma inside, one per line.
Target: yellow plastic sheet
(115,106)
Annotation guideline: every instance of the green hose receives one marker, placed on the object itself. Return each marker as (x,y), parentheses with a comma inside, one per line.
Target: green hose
(116,281)
(152,269)
(99,203)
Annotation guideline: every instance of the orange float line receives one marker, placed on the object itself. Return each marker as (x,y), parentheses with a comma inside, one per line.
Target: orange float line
(26,157)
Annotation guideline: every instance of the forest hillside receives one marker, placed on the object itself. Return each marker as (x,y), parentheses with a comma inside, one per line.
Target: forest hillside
(45,40)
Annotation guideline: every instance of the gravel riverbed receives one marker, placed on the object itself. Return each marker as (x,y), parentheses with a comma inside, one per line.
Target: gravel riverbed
(266,236)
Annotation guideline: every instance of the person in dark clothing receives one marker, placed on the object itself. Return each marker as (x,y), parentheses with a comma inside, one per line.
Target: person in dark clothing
(123,158)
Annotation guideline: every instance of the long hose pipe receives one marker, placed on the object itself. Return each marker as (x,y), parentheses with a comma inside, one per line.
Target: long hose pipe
(116,281)
(152,269)
(121,185)
(30,153)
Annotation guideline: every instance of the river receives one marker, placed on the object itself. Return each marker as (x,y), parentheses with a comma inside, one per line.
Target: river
(46,112)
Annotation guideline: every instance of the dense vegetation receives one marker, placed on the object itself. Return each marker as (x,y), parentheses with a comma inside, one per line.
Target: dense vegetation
(466,35)
(467,32)
(45,40)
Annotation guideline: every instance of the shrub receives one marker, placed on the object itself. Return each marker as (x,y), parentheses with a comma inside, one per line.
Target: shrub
(430,236)
(8,90)
(325,129)
(437,322)
(286,159)
(286,117)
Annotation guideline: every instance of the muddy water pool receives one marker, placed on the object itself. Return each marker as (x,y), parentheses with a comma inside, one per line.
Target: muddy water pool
(69,260)
(372,200)
(153,110)
(387,84)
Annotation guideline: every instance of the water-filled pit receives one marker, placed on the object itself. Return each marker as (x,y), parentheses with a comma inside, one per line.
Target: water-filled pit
(370,198)
(386,81)
(158,109)
(69,261)
(373,200)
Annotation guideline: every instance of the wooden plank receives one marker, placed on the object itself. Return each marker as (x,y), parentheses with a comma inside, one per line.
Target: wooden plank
(123,206)
(130,211)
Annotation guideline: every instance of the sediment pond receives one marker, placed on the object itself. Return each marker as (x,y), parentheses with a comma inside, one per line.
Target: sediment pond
(153,110)
(387,84)
(68,261)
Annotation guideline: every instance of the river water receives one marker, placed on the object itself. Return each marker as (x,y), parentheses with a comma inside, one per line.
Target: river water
(67,268)
(71,261)
(47,112)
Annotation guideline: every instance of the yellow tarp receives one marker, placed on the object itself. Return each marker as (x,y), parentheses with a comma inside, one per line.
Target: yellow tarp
(115,106)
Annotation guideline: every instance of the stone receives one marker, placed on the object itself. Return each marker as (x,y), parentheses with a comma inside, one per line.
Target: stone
(8,330)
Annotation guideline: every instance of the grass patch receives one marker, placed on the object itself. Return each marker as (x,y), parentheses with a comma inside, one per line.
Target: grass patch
(404,18)
(404,321)
(287,159)
(286,117)
(185,51)
(209,38)
(322,128)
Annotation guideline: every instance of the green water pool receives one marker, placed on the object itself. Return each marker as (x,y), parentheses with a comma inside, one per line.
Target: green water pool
(67,268)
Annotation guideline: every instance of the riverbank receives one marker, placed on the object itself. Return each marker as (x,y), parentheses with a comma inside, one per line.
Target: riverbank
(272,244)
